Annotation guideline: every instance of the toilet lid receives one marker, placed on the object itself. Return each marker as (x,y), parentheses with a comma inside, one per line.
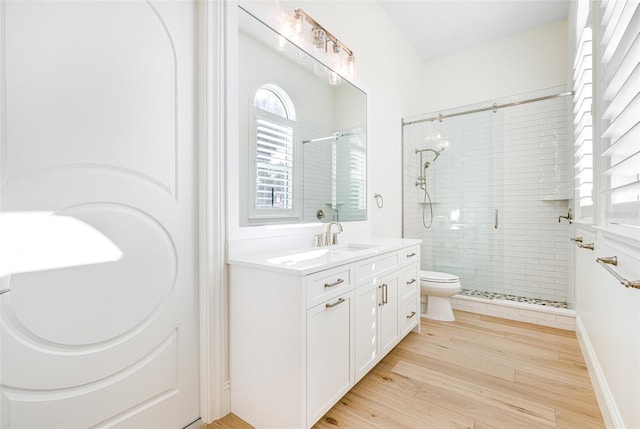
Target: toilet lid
(437,276)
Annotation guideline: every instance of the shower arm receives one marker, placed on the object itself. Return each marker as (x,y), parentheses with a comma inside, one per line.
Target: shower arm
(436,152)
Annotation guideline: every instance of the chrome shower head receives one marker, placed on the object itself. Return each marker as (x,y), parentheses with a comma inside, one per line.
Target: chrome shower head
(436,153)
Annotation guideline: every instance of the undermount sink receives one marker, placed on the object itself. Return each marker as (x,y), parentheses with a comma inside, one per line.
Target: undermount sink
(318,254)
(294,258)
(354,247)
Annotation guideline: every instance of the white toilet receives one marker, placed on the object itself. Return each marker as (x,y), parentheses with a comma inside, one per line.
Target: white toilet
(439,287)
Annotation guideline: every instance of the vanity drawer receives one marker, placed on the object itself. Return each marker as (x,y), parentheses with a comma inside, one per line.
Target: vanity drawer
(410,255)
(373,267)
(409,315)
(328,284)
(409,282)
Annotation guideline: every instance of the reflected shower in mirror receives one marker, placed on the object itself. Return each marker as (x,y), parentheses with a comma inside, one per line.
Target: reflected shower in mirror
(302,140)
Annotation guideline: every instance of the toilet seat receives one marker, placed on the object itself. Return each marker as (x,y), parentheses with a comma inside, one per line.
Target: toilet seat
(438,277)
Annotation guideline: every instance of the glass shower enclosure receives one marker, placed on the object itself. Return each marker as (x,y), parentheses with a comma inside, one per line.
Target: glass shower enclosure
(494,197)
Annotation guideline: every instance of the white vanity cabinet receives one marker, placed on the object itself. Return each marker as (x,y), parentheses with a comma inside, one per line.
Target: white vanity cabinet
(385,296)
(301,335)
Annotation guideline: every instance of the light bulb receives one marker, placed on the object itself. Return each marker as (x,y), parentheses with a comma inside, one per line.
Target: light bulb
(319,40)
(297,23)
(319,49)
(351,66)
(281,42)
(334,78)
(335,60)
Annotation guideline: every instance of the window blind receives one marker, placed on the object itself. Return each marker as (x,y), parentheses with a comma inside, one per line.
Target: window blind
(582,123)
(620,138)
(274,164)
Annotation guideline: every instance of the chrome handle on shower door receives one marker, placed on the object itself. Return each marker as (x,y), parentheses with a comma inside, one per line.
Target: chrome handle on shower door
(495,218)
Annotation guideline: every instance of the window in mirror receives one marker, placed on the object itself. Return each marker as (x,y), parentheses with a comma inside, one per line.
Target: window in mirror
(274,125)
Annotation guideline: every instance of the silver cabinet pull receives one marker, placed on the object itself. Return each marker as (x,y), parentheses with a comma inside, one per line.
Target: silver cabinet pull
(4,291)
(413,313)
(338,302)
(385,294)
(495,218)
(412,281)
(337,282)
(381,302)
(411,255)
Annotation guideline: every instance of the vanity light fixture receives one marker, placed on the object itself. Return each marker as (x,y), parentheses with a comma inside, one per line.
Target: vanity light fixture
(325,45)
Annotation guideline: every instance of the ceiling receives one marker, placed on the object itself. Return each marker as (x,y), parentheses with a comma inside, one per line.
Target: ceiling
(440,27)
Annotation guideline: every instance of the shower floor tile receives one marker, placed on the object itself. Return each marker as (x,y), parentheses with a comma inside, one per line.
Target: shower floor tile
(515,298)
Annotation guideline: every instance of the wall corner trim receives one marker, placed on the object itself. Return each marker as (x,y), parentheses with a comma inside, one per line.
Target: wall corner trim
(214,386)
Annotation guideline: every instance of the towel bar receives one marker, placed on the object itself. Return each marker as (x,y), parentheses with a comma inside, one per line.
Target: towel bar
(607,261)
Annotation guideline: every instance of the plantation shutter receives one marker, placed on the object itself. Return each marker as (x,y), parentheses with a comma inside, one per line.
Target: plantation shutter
(582,122)
(620,151)
(274,163)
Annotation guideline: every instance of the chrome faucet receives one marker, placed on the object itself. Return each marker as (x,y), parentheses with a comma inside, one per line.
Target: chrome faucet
(328,238)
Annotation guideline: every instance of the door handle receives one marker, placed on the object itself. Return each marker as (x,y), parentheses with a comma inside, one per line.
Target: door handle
(4,291)
(381,301)
(384,294)
(495,218)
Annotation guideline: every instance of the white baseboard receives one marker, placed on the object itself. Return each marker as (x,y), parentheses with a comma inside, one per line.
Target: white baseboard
(608,408)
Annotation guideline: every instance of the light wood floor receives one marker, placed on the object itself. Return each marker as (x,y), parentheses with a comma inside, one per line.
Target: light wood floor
(478,372)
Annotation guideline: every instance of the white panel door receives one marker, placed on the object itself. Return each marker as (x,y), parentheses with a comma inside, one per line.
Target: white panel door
(98,170)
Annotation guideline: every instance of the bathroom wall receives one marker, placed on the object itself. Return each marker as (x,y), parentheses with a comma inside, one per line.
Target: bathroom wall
(527,61)
(387,68)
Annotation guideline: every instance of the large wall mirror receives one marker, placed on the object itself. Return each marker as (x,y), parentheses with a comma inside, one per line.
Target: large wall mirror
(303,151)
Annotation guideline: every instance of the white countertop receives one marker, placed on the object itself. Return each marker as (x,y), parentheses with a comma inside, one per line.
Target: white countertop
(313,259)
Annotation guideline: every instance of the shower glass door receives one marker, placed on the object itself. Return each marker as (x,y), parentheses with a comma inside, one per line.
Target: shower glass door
(496,191)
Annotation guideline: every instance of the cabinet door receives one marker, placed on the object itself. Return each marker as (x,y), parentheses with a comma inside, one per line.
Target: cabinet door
(366,322)
(329,354)
(409,315)
(389,314)
(409,283)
